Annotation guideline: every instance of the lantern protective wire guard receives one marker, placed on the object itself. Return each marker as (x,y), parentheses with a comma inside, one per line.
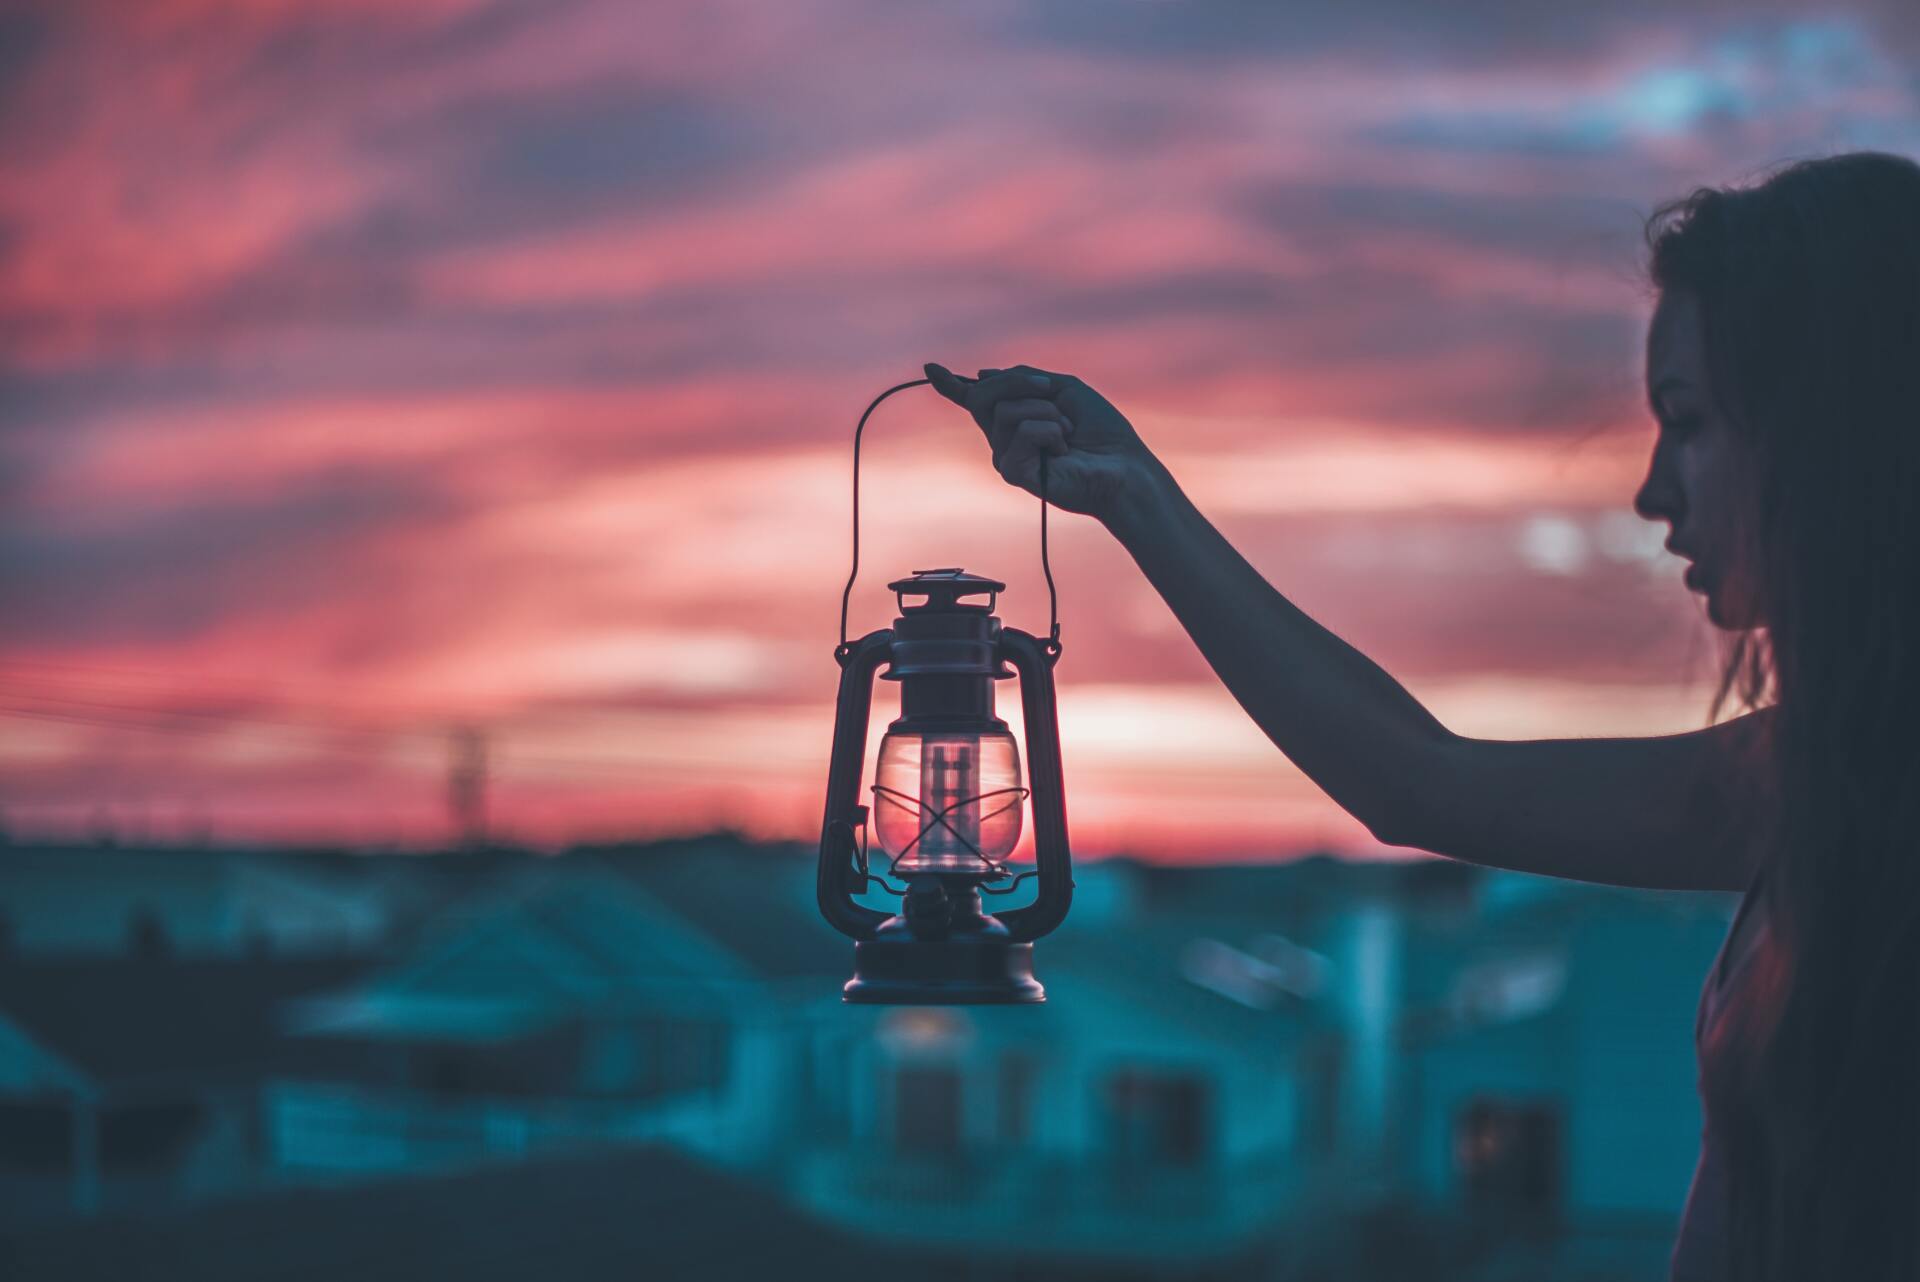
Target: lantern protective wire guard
(947,791)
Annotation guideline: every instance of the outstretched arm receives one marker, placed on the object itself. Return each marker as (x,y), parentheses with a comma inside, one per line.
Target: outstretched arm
(1668,811)
(1665,811)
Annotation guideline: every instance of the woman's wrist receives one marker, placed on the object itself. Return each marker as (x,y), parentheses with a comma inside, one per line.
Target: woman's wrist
(1141,501)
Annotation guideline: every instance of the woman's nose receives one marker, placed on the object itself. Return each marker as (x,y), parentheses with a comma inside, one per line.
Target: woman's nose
(1658,498)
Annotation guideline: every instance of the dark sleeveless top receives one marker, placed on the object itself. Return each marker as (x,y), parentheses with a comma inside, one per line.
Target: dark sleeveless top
(1700,1253)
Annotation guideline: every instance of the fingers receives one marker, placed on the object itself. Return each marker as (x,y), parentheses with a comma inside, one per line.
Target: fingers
(1013,408)
(1031,438)
(946,382)
(1008,415)
(1010,385)
(1022,380)
(1057,380)
(979,396)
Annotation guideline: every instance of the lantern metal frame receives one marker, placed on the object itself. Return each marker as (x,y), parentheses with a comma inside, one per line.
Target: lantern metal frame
(943,948)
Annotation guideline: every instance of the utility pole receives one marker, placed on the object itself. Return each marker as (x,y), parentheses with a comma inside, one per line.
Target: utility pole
(467,786)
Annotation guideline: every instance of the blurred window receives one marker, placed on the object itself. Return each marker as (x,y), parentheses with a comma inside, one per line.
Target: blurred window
(612,1058)
(693,1054)
(35,1134)
(1016,1097)
(1159,1118)
(1320,1102)
(445,1070)
(926,1108)
(656,1056)
(149,1136)
(830,1100)
(147,934)
(1507,1154)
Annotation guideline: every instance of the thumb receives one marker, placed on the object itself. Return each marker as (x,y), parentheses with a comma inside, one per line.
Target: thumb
(945,382)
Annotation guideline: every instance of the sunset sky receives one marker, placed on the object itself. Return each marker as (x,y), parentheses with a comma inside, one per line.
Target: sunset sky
(373,369)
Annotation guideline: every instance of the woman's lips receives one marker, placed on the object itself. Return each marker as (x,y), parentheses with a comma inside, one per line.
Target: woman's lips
(1691,575)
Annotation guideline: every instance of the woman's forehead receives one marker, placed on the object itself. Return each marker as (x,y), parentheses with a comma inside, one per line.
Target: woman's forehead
(1676,348)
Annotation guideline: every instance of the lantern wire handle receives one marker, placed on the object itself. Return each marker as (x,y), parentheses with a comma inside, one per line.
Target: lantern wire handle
(1051,644)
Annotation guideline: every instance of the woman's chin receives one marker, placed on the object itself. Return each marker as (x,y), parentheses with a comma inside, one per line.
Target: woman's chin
(1730,611)
(1726,615)
(1698,584)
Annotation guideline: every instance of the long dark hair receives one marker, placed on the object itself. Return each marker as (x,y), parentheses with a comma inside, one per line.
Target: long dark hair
(1809,284)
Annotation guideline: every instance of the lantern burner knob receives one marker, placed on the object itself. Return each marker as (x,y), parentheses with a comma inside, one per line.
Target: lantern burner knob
(927,908)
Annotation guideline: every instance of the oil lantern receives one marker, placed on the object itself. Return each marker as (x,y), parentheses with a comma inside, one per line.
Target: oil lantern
(946,801)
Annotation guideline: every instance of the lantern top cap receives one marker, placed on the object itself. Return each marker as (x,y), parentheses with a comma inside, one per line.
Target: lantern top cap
(944,587)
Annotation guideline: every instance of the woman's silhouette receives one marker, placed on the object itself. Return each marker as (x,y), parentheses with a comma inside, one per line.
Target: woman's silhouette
(1783,368)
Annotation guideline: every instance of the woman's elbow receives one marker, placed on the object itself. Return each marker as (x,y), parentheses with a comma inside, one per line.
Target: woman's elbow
(1424,788)
(1395,829)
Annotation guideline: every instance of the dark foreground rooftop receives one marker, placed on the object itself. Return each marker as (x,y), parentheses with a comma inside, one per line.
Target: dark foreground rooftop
(625,1214)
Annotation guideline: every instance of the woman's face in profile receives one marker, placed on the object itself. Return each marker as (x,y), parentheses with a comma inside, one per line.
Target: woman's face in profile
(1699,479)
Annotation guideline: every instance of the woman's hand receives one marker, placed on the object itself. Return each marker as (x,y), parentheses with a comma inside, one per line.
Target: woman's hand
(1094,457)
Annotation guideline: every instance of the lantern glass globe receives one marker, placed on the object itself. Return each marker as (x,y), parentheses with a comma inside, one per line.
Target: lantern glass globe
(947,802)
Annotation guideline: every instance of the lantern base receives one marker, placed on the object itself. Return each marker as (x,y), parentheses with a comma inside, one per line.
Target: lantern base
(969,971)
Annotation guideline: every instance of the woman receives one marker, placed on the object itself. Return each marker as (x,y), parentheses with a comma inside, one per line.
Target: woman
(1783,369)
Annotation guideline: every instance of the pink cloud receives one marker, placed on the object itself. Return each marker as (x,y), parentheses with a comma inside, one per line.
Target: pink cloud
(379,368)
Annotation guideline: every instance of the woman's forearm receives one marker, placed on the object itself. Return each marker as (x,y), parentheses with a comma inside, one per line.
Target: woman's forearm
(1674,811)
(1337,715)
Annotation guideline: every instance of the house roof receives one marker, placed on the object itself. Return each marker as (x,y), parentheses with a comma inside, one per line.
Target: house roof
(758,901)
(400,891)
(125,1023)
(542,945)
(616,1213)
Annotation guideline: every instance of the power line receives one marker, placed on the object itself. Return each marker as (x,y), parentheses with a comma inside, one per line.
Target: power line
(155,709)
(426,754)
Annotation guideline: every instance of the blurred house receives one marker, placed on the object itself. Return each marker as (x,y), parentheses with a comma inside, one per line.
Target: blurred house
(1550,1071)
(1239,1068)
(559,1007)
(138,1081)
(1134,1117)
(196,902)
(678,995)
